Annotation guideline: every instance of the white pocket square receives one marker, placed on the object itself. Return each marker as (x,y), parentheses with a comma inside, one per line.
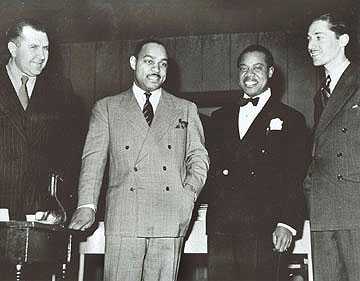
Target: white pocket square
(355,106)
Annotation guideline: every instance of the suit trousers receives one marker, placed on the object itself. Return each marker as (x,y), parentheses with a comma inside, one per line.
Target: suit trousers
(244,258)
(142,259)
(336,255)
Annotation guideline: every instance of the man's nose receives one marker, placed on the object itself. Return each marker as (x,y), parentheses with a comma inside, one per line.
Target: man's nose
(156,68)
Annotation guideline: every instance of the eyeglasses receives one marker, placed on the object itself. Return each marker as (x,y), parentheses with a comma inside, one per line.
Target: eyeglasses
(257,68)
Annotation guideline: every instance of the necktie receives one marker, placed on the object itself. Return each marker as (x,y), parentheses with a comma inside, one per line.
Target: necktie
(325,90)
(148,109)
(245,101)
(321,99)
(23,93)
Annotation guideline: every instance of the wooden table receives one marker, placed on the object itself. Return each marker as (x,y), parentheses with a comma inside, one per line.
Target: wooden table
(23,243)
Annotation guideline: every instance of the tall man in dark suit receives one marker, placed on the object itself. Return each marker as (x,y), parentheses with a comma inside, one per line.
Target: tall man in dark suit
(158,164)
(332,185)
(258,162)
(38,123)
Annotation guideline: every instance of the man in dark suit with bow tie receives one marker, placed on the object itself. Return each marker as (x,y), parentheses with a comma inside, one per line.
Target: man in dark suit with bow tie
(258,152)
(333,179)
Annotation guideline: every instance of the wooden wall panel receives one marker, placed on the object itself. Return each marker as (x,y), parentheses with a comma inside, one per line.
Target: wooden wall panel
(188,58)
(301,77)
(107,69)
(198,64)
(172,79)
(276,42)
(127,76)
(65,55)
(239,41)
(82,72)
(216,62)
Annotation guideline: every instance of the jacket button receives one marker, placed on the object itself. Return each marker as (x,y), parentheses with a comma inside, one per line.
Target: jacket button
(132,189)
(169,146)
(167,188)
(135,169)
(262,150)
(339,154)
(252,173)
(164,168)
(344,130)
(127,147)
(225,172)
(340,177)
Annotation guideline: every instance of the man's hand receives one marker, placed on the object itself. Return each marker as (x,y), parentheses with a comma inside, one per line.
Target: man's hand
(282,238)
(82,219)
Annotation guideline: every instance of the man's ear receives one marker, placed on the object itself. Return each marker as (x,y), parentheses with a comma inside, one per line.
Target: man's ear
(12,47)
(271,71)
(344,39)
(132,62)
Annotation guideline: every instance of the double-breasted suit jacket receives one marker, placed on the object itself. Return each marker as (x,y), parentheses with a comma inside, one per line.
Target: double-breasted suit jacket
(34,142)
(332,185)
(154,172)
(256,181)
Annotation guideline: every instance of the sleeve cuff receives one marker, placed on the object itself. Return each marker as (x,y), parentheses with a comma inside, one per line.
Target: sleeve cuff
(92,206)
(293,231)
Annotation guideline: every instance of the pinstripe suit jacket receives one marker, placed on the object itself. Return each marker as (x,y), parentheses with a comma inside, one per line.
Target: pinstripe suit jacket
(332,185)
(153,172)
(33,142)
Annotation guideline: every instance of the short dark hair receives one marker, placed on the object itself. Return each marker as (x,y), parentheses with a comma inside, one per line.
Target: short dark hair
(336,23)
(14,32)
(257,48)
(141,44)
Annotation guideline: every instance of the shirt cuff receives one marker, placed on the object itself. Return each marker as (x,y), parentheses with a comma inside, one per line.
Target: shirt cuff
(293,231)
(92,206)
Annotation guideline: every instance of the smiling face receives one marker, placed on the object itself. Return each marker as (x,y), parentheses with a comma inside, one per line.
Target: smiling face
(30,51)
(150,67)
(254,73)
(324,47)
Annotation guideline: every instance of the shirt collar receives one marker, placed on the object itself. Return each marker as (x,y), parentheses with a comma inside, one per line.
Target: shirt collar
(140,92)
(336,73)
(15,75)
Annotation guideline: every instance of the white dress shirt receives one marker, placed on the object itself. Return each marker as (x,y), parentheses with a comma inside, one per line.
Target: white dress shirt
(15,75)
(248,113)
(336,73)
(141,98)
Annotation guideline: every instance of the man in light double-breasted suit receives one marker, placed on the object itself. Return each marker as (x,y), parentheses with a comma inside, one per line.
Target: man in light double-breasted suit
(332,184)
(158,165)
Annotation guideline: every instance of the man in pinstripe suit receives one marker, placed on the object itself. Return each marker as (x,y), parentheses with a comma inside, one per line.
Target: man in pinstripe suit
(157,167)
(38,122)
(332,185)
(38,129)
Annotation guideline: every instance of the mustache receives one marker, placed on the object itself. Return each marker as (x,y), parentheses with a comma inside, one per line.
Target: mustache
(250,79)
(154,74)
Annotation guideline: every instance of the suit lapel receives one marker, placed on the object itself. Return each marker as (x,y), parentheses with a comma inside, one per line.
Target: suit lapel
(134,115)
(344,89)
(166,115)
(257,129)
(10,104)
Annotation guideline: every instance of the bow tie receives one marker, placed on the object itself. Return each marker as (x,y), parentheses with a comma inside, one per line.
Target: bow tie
(245,101)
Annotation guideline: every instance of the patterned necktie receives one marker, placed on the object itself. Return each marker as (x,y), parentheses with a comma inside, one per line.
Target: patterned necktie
(148,109)
(23,93)
(245,101)
(321,99)
(325,90)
